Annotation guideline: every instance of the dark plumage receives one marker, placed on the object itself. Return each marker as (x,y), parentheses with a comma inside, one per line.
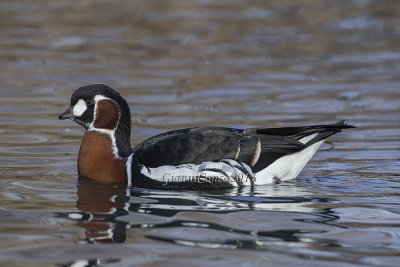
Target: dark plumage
(196,145)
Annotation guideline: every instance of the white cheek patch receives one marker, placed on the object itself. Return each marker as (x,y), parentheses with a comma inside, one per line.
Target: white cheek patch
(79,108)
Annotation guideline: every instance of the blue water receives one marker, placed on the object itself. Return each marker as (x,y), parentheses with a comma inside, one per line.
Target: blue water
(190,63)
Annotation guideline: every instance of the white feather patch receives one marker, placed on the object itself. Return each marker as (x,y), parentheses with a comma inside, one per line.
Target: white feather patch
(205,172)
(257,153)
(97,98)
(306,139)
(238,151)
(79,108)
(128,168)
(287,167)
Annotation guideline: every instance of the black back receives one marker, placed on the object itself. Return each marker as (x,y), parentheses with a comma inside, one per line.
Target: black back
(200,144)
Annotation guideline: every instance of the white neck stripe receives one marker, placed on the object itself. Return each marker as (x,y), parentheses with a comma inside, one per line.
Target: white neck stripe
(110,133)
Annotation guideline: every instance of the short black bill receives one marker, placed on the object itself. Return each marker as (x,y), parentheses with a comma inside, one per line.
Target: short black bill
(67,114)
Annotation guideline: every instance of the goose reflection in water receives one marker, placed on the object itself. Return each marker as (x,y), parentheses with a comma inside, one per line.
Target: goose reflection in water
(106,212)
(99,206)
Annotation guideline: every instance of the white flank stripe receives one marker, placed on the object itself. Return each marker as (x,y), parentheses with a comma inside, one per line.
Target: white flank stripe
(204,172)
(238,151)
(236,164)
(287,167)
(257,153)
(128,168)
(79,108)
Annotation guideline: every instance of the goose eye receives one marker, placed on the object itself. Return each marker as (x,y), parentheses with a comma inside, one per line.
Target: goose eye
(89,102)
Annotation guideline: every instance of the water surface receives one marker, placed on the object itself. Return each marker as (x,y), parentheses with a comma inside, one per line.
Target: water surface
(190,63)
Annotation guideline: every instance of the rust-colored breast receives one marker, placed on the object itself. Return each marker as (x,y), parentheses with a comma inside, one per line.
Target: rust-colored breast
(96,160)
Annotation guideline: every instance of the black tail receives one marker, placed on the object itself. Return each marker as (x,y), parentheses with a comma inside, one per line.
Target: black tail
(324,131)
